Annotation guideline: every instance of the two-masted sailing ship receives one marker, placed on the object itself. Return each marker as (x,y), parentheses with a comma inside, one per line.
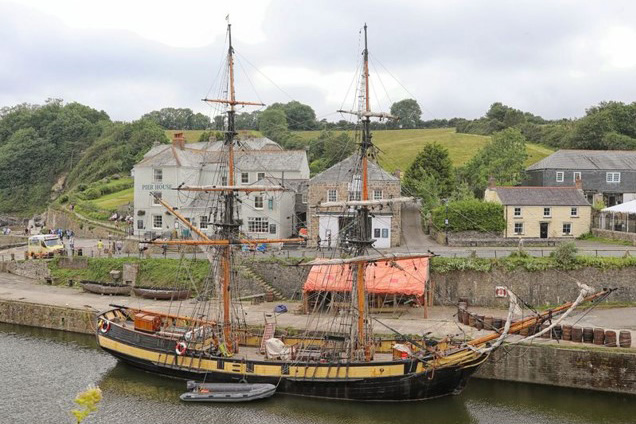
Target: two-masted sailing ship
(351,364)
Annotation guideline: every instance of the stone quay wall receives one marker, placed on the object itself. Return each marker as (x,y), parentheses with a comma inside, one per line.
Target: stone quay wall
(604,369)
(35,269)
(48,316)
(615,235)
(538,288)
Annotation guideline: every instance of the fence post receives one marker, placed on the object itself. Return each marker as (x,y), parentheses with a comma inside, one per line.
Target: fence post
(596,252)
(495,253)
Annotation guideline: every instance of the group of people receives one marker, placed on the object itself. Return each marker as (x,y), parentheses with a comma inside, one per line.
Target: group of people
(114,246)
(62,233)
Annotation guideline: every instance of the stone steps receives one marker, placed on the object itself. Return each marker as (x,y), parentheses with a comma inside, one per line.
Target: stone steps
(249,272)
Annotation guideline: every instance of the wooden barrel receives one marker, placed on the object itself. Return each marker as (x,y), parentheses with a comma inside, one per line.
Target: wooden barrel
(545,335)
(497,323)
(488,323)
(471,320)
(465,317)
(557,332)
(479,322)
(567,332)
(577,334)
(588,335)
(599,336)
(625,338)
(461,308)
(610,338)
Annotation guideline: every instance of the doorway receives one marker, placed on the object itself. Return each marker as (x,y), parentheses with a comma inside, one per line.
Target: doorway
(543,229)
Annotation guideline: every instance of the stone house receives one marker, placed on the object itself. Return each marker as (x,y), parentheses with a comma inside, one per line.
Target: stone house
(257,162)
(607,173)
(542,212)
(342,182)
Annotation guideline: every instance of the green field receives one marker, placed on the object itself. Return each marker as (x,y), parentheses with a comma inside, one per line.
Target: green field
(113,200)
(398,148)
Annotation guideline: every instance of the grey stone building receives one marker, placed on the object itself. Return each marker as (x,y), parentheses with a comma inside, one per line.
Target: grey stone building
(342,182)
(607,173)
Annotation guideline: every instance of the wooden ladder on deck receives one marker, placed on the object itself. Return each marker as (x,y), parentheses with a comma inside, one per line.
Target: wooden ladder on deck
(268,333)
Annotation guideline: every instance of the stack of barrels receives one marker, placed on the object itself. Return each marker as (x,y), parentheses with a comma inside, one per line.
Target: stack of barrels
(597,336)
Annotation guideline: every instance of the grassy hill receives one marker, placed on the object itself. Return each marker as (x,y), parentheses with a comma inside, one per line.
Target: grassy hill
(399,147)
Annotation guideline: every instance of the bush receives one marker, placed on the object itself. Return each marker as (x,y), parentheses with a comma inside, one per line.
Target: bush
(471,215)
(565,255)
(92,193)
(64,198)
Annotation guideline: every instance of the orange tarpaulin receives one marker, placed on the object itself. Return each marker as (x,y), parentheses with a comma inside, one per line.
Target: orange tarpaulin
(407,277)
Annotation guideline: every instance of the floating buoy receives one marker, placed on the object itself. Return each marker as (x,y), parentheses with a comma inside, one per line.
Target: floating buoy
(104,326)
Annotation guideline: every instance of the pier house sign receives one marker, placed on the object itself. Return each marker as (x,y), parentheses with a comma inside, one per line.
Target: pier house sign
(156,186)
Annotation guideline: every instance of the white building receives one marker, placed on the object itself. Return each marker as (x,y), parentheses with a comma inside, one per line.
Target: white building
(257,162)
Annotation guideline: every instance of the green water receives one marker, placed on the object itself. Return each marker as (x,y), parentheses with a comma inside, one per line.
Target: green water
(43,370)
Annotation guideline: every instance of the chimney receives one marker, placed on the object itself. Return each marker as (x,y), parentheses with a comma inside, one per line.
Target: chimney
(578,183)
(491,182)
(178,141)
(397,174)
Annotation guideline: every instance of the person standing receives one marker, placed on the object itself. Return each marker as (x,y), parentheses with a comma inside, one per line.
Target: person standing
(100,247)
(71,245)
(119,245)
(318,242)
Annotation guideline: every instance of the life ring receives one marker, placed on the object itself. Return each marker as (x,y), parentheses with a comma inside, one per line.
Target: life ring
(180,349)
(104,326)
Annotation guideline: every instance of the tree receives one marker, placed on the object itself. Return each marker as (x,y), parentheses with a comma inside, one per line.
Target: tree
(409,112)
(433,162)
(273,124)
(300,117)
(171,118)
(503,158)
(328,149)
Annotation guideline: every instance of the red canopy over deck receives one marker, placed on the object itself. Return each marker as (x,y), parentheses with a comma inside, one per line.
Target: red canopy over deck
(406,277)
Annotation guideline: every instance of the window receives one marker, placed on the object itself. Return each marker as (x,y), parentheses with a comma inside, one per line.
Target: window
(355,188)
(518,227)
(547,212)
(203,222)
(385,233)
(270,204)
(332,195)
(224,180)
(257,225)
(156,198)
(245,177)
(303,198)
(574,211)
(567,229)
(613,177)
(377,194)
(260,176)
(157,221)
(272,228)
(559,177)
(376,233)
(517,212)
(576,176)
(158,175)
(140,224)
(258,202)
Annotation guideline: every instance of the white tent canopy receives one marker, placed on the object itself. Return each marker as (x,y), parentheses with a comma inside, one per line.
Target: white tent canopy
(627,207)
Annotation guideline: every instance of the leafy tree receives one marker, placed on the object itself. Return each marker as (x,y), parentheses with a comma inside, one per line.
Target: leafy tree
(503,158)
(178,119)
(409,112)
(300,117)
(328,149)
(470,215)
(433,162)
(273,124)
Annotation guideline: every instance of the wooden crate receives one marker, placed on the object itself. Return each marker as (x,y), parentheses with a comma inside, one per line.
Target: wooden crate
(147,322)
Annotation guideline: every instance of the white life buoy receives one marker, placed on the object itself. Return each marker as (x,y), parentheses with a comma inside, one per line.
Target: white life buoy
(104,326)
(180,349)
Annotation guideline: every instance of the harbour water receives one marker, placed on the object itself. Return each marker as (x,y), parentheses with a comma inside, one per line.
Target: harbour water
(43,370)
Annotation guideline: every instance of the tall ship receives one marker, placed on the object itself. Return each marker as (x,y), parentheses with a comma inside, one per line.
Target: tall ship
(338,357)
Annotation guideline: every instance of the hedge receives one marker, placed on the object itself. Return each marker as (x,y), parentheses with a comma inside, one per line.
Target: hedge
(470,215)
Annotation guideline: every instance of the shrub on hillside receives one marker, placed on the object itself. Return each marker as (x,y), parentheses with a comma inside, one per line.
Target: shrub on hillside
(470,215)
(565,254)
(92,193)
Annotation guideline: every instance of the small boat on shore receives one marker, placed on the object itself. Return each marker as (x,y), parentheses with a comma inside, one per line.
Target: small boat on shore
(111,289)
(226,392)
(161,294)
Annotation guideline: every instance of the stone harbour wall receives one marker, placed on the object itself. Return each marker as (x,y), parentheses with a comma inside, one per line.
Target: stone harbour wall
(35,269)
(538,288)
(604,369)
(48,316)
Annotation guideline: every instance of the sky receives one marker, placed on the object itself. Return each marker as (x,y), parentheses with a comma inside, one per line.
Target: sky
(552,58)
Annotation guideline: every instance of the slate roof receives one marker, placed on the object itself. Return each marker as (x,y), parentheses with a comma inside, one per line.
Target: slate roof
(251,143)
(588,160)
(250,160)
(541,196)
(343,172)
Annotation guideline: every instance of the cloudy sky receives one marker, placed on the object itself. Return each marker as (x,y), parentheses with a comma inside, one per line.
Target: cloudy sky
(553,58)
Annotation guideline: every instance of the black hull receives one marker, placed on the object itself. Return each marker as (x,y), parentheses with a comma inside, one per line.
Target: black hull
(410,387)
